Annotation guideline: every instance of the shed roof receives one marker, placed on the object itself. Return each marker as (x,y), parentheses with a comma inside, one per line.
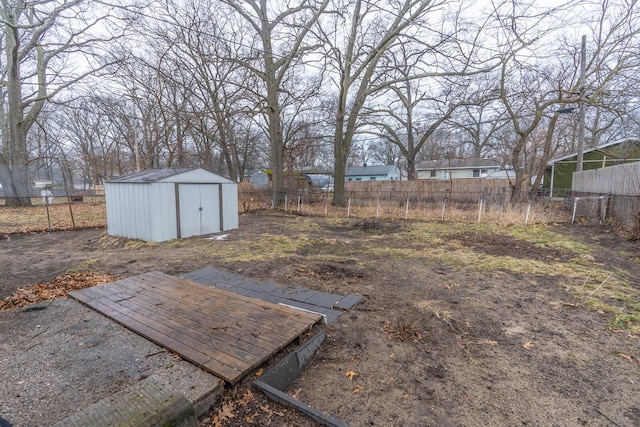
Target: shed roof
(192,175)
(591,149)
(151,175)
(369,170)
(447,164)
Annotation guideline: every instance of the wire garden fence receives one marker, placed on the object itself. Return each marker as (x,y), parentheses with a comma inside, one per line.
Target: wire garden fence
(467,207)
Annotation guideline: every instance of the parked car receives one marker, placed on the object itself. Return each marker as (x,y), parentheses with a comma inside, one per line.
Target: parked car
(327,188)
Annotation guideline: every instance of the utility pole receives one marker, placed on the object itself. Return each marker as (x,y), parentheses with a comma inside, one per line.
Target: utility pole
(581,104)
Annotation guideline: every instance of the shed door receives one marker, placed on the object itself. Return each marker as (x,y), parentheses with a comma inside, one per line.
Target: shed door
(199,209)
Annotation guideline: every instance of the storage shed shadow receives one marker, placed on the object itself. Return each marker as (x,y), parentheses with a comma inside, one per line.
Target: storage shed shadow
(163,204)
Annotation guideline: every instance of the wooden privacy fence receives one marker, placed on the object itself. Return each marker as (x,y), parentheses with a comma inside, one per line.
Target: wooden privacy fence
(622,180)
(609,193)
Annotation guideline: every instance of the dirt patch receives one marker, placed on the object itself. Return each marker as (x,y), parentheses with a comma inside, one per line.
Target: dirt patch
(459,326)
(505,245)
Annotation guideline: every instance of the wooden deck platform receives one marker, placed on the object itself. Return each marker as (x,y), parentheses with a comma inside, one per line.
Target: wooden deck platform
(225,333)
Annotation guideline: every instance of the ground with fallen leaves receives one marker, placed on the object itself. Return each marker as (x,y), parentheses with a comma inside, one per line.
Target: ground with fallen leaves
(57,288)
(461,324)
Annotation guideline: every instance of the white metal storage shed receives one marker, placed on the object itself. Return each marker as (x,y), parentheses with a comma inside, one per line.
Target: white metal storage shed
(163,204)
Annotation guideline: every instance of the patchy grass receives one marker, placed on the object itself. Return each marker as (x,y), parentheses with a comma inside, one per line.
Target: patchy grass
(83,266)
(295,236)
(593,284)
(435,307)
(434,241)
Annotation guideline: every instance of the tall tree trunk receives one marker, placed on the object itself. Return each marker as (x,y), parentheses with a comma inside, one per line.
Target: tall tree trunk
(17,188)
(516,184)
(274,125)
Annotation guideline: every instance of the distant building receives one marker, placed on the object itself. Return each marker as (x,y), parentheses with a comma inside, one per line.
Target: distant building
(559,173)
(372,173)
(462,168)
(42,183)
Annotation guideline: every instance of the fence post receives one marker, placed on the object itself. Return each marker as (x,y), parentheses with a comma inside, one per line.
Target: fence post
(326,206)
(444,205)
(48,216)
(406,211)
(526,220)
(575,207)
(377,206)
(603,209)
(286,203)
(66,190)
(349,207)
(299,204)
(480,207)
(606,207)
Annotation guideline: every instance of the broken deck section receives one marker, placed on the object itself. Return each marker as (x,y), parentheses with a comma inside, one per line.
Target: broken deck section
(225,333)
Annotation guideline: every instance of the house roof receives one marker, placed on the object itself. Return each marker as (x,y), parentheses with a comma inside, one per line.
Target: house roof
(379,170)
(316,171)
(447,164)
(151,175)
(591,149)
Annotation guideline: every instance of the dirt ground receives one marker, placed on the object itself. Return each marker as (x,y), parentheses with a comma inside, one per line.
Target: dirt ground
(461,324)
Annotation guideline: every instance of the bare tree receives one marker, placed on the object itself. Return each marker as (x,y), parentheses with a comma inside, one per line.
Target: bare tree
(356,37)
(535,86)
(38,37)
(409,110)
(282,31)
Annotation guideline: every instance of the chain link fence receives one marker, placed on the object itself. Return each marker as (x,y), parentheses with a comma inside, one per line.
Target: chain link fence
(462,206)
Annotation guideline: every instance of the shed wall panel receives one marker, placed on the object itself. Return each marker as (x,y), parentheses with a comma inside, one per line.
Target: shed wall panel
(136,222)
(112,220)
(229,206)
(163,211)
(130,211)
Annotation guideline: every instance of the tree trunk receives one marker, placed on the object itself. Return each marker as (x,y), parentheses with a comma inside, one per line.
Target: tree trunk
(411,167)
(340,159)
(274,125)
(516,185)
(17,187)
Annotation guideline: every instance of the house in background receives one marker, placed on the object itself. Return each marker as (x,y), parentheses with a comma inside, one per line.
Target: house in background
(372,173)
(462,168)
(559,173)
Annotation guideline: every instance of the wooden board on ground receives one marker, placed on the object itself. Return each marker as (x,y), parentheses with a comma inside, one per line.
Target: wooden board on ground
(225,333)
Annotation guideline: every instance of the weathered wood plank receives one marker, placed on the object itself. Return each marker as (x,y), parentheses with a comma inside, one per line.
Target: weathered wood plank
(197,289)
(278,322)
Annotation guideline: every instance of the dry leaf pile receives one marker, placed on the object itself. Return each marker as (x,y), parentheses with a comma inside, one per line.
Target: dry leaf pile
(57,288)
(249,409)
